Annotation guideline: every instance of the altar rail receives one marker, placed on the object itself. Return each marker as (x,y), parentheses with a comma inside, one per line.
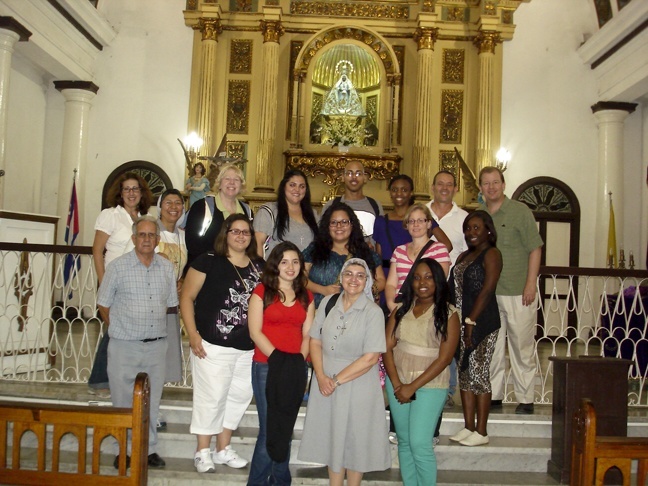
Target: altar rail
(49,330)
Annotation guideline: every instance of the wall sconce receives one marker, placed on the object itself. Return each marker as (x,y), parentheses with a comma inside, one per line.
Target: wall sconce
(502,159)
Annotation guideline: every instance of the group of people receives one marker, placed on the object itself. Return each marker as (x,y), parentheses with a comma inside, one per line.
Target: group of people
(414,298)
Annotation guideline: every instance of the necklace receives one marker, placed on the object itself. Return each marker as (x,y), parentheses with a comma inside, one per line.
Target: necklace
(243,281)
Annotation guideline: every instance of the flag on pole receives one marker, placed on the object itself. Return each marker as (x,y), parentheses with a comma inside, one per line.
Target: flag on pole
(611,255)
(72,263)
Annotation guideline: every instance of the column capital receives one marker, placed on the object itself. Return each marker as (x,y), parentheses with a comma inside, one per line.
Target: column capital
(425,37)
(486,41)
(84,85)
(272,30)
(9,23)
(614,105)
(210,28)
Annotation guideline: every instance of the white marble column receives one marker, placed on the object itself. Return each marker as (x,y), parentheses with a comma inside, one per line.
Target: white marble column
(422,154)
(272,31)
(11,31)
(74,148)
(609,117)
(210,28)
(484,153)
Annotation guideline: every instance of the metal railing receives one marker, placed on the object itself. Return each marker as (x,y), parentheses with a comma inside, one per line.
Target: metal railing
(49,330)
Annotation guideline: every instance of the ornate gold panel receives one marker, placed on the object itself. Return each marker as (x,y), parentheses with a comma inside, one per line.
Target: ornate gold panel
(342,33)
(453,66)
(448,161)
(400,58)
(241,56)
(350,9)
(237,149)
(451,115)
(238,106)
(456,14)
(331,165)
(243,5)
(507,16)
(295,49)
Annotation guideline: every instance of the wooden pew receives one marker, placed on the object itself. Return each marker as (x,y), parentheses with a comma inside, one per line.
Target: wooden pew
(54,421)
(592,456)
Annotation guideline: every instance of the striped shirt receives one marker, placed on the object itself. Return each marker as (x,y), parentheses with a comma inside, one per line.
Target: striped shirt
(437,251)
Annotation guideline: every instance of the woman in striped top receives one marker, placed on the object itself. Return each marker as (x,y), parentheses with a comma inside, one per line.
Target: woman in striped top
(418,222)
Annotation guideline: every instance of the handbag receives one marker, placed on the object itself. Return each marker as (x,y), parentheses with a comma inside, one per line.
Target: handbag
(410,275)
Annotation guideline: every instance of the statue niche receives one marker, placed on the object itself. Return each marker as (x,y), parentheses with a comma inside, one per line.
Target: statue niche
(346,88)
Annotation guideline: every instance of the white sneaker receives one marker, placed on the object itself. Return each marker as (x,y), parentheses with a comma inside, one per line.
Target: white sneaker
(461,435)
(393,438)
(203,461)
(475,439)
(229,457)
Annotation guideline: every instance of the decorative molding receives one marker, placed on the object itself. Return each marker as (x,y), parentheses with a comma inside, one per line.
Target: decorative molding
(295,49)
(487,41)
(238,106)
(340,33)
(349,9)
(456,14)
(272,30)
(241,56)
(614,105)
(84,85)
(10,23)
(330,165)
(210,28)
(191,5)
(452,70)
(237,149)
(399,51)
(451,115)
(545,198)
(246,6)
(507,16)
(425,37)
(448,161)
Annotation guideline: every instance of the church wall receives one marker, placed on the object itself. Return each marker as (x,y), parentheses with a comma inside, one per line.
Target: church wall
(547,122)
(142,104)
(634,185)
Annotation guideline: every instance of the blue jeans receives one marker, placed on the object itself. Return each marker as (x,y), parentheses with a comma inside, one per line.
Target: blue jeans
(453,377)
(263,470)
(99,374)
(415,423)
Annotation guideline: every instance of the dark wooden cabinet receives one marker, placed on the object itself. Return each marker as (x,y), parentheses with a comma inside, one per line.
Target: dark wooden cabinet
(602,380)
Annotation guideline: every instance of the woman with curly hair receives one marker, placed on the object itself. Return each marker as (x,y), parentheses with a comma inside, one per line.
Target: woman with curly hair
(339,238)
(290,218)
(422,335)
(280,316)
(129,198)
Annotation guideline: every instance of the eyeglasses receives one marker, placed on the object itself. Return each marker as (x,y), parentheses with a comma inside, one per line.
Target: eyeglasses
(342,222)
(359,276)
(134,190)
(417,221)
(356,173)
(238,232)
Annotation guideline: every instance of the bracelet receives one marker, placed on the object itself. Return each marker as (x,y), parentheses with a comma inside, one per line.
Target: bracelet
(337,382)
(469,321)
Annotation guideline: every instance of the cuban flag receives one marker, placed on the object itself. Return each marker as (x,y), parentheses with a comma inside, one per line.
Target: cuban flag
(71,232)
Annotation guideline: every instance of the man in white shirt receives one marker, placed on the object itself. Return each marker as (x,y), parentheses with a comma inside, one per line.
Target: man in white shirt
(450,218)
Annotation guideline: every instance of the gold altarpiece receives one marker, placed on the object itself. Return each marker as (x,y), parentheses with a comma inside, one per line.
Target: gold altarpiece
(400,85)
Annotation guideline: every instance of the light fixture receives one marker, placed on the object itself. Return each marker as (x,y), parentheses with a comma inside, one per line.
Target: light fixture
(502,159)
(191,147)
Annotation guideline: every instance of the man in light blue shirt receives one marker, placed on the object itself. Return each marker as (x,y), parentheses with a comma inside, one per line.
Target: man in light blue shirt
(133,299)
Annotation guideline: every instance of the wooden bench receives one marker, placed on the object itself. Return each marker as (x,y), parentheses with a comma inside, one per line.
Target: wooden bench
(592,456)
(52,422)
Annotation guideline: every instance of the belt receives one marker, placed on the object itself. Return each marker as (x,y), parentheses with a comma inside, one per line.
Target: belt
(150,340)
(172,310)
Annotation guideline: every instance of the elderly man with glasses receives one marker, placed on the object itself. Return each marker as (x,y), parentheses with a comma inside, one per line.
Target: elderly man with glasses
(137,289)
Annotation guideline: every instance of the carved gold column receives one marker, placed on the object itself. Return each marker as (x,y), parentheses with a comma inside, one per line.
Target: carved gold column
(272,30)
(485,42)
(422,150)
(394,82)
(210,28)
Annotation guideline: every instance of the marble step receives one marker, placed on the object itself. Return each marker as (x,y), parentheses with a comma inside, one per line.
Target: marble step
(180,472)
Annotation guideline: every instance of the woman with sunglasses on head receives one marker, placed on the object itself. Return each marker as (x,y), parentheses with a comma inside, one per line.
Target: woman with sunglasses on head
(214,307)
(422,336)
(129,198)
(339,238)
(345,426)
(280,317)
(290,218)
(418,221)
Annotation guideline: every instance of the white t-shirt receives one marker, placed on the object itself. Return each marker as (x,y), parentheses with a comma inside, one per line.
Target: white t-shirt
(452,226)
(117,223)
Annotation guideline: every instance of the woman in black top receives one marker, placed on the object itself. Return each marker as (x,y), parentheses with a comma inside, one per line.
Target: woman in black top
(214,307)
